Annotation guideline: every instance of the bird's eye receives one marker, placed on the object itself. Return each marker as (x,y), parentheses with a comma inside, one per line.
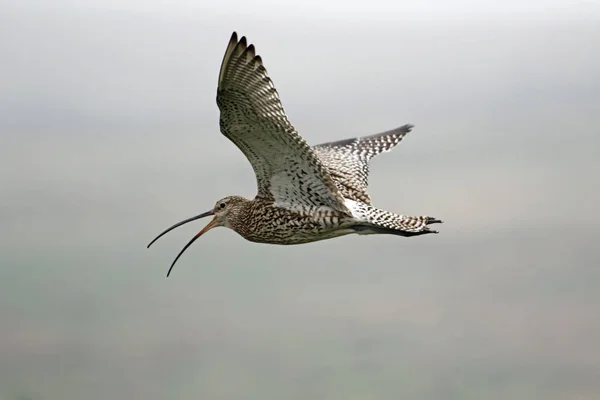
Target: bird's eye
(222,205)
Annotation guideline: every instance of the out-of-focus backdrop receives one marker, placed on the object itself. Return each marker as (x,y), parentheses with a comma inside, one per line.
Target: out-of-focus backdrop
(109,134)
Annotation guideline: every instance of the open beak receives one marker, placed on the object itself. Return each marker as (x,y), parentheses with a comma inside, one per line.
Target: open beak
(208,227)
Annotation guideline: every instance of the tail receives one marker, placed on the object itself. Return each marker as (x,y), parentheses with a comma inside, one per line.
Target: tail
(376,221)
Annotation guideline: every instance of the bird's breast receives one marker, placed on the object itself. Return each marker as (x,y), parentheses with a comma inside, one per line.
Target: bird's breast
(278,225)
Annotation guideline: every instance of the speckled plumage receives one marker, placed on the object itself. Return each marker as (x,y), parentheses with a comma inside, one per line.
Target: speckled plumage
(253,118)
(305,193)
(348,160)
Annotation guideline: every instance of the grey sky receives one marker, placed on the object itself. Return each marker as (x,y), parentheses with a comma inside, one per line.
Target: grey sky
(109,134)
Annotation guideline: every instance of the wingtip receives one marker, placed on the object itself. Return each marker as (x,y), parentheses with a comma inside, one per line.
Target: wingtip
(232,48)
(408,127)
(250,52)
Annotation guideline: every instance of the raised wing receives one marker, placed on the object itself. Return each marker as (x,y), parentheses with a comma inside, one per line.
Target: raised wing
(287,170)
(348,160)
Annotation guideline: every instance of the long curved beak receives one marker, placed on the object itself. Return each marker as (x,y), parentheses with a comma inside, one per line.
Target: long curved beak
(206,214)
(208,227)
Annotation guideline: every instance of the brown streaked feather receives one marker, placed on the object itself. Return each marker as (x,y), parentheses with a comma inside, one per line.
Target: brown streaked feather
(288,171)
(348,160)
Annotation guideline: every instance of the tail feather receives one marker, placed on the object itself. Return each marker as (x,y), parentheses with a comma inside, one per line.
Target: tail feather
(372,229)
(432,220)
(374,220)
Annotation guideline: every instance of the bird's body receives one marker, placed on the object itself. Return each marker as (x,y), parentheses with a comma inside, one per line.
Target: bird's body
(265,222)
(305,193)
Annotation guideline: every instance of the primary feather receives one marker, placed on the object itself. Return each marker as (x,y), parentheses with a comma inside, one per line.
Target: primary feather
(287,169)
(348,160)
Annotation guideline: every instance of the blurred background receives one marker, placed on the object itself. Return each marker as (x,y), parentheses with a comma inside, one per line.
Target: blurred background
(109,134)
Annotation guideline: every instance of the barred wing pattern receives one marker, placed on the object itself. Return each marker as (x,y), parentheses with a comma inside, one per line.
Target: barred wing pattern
(348,160)
(288,171)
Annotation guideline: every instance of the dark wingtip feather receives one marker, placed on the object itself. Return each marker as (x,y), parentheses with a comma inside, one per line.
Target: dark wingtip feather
(233,42)
(249,53)
(240,48)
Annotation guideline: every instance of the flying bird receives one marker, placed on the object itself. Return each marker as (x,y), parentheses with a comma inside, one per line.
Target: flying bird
(305,193)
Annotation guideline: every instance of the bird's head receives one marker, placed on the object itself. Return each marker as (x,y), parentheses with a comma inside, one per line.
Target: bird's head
(222,210)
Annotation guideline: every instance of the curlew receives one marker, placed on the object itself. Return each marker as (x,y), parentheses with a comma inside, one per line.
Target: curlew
(305,193)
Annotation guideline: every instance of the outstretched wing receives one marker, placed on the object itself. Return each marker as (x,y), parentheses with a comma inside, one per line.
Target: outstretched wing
(288,172)
(348,160)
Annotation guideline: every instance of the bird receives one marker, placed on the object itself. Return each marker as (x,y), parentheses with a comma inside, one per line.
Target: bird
(305,193)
